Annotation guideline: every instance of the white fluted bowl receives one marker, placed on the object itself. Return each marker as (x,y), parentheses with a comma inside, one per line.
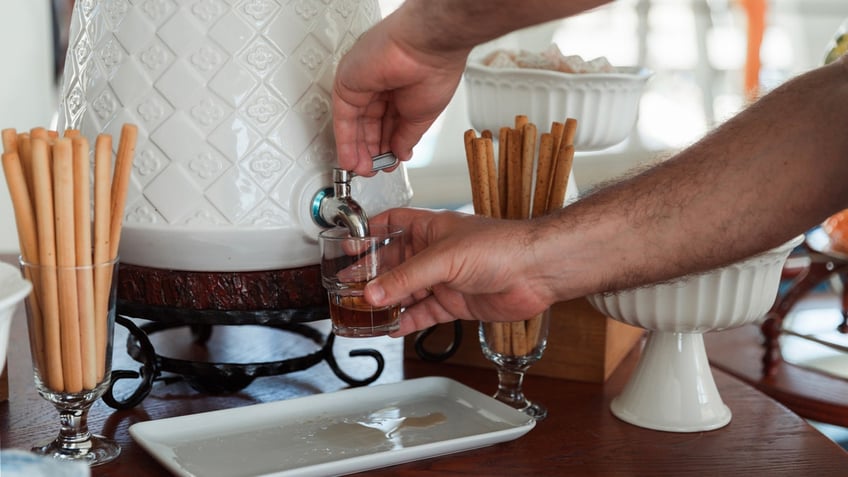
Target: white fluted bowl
(13,289)
(606,105)
(672,388)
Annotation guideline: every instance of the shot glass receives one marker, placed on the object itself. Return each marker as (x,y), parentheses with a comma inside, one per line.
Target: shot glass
(70,318)
(348,263)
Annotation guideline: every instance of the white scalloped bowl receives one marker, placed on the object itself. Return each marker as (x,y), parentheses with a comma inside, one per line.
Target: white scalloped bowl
(606,105)
(13,289)
(672,388)
(723,298)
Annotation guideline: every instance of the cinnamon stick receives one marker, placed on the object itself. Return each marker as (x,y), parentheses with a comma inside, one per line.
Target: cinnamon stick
(528,154)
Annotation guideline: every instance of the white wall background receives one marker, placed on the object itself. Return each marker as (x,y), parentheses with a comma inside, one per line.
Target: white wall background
(27,93)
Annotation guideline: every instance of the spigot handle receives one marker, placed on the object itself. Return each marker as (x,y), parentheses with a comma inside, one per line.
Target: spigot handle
(336,207)
(379,162)
(383,161)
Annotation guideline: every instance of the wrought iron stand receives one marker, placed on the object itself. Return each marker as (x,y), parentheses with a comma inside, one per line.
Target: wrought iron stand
(214,377)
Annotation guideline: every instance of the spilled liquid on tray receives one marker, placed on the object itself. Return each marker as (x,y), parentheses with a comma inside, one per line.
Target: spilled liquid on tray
(295,444)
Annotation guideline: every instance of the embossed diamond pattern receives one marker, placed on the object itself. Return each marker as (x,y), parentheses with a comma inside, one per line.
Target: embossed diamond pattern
(234,194)
(233,83)
(173,193)
(180,85)
(231,96)
(134,32)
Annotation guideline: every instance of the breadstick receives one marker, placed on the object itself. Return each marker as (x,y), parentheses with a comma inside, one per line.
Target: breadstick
(543,175)
(39,133)
(28,240)
(491,168)
(557,128)
(43,192)
(562,170)
(481,176)
(503,141)
(25,153)
(564,158)
(528,154)
(513,157)
(10,140)
(518,338)
(534,328)
(569,131)
(120,184)
(85,276)
(102,218)
(520,121)
(468,138)
(22,206)
(63,205)
(497,336)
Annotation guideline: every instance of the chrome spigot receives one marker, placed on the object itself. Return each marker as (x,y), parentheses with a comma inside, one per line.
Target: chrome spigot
(335,206)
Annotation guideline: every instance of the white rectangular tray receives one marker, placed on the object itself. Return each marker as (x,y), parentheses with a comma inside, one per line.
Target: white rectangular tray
(334,433)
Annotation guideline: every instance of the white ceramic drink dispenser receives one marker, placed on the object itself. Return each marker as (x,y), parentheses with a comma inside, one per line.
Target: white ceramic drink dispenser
(234,166)
(232,100)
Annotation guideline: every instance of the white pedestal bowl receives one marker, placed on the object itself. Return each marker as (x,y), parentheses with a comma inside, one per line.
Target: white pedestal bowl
(672,388)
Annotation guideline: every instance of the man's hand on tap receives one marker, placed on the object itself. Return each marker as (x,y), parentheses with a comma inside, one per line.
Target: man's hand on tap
(390,107)
(402,73)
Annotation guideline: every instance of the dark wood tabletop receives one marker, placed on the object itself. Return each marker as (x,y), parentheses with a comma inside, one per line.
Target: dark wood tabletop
(579,437)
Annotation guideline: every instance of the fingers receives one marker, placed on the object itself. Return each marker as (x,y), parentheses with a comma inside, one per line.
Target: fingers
(423,315)
(417,273)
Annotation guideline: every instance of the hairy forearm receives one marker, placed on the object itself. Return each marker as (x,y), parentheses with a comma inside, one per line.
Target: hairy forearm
(448,25)
(763,177)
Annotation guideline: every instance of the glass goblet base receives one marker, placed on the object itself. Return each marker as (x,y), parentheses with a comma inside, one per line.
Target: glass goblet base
(94,450)
(75,442)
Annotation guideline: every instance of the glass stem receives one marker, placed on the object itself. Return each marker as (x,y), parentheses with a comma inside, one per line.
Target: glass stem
(509,387)
(74,433)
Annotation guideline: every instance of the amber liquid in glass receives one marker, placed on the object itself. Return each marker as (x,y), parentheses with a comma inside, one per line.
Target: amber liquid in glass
(353,316)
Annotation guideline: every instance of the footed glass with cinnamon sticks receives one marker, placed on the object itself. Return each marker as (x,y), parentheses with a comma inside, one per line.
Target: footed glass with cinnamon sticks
(519,185)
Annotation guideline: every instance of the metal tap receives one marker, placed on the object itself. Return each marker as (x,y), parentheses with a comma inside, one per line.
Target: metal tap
(335,206)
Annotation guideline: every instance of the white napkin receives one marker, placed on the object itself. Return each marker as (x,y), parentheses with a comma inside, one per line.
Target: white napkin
(18,463)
